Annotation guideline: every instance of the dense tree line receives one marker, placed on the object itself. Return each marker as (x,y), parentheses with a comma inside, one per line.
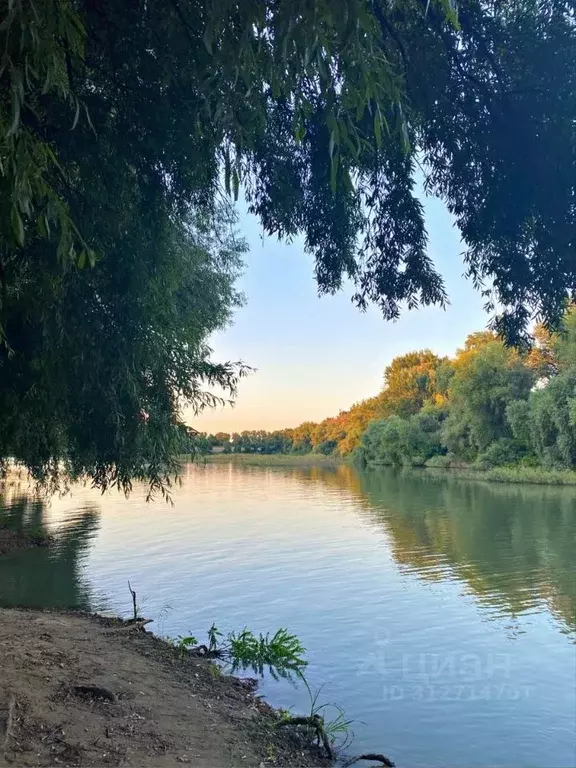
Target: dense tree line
(497,407)
(490,405)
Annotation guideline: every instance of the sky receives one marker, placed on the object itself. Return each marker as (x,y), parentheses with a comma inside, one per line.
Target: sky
(315,356)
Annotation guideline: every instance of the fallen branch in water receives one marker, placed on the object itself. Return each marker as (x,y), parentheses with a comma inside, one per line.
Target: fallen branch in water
(369,756)
(316,724)
(209,653)
(126,627)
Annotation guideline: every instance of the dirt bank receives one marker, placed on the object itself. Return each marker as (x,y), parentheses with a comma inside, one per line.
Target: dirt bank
(82,690)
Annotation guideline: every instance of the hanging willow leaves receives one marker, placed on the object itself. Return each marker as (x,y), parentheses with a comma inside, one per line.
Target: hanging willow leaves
(464,92)
(120,121)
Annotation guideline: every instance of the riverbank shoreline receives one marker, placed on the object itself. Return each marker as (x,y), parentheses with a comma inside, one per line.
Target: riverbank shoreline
(275,459)
(81,689)
(514,475)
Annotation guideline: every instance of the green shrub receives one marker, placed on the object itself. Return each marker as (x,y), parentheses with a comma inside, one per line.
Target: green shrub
(446,461)
(500,453)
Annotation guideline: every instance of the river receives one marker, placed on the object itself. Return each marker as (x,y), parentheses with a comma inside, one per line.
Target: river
(439,613)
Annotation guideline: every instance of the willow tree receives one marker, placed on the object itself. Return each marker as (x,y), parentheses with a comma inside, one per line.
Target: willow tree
(121,121)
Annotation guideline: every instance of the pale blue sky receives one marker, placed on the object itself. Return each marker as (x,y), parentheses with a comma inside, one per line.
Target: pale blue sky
(316,356)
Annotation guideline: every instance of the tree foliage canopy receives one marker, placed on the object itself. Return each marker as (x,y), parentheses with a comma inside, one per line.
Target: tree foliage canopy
(323,111)
(487,378)
(102,361)
(501,407)
(120,122)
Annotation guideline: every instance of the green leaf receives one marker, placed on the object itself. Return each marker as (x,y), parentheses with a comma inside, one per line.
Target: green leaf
(227,171)
(42,226)
(76,114)
(334,139)
(15,114)
(334,172)
(299,132)
(17,226)
(207,40)
(89,119)
(378,128)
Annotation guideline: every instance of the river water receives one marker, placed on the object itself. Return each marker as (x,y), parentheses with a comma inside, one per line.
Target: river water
(439,613)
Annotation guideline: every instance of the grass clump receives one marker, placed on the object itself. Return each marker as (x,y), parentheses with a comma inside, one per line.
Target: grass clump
(535,475)
(445,461)
(512,473)
(337,727)
(281,654)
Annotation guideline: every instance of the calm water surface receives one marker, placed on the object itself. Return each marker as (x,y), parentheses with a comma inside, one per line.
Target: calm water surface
(439,613)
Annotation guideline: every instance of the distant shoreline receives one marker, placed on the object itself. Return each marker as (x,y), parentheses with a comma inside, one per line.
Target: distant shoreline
(514,475)
(275,459)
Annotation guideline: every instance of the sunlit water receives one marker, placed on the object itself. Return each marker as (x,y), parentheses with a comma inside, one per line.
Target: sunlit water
(439,613)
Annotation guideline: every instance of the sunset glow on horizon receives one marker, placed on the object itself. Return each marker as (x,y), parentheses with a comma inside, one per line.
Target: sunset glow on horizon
(315,356)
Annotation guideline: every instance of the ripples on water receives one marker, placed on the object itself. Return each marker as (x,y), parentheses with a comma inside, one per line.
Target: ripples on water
(438,612)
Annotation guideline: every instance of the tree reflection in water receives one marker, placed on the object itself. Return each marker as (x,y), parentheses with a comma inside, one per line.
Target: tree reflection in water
(511,545)
(45,577)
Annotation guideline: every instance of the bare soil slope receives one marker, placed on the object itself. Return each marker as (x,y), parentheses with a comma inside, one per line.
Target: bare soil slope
(82,690)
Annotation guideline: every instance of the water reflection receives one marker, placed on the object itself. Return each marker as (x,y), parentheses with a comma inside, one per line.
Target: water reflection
(374,572)
(45,577)
(512,545)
